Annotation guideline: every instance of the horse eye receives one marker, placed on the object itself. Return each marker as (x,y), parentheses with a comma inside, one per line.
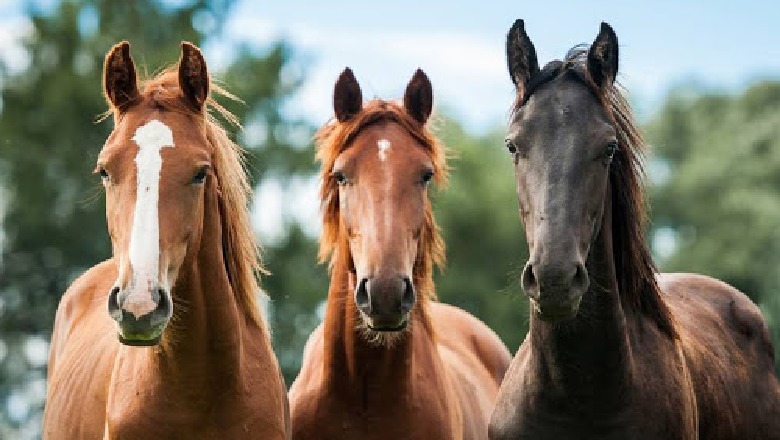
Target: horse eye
(200,177)
(612,147)
(510,146)
(103,174)
(427,176)
(341,179)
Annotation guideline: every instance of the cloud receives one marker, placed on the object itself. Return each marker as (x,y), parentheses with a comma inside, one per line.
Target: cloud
(467,71)
(13,29)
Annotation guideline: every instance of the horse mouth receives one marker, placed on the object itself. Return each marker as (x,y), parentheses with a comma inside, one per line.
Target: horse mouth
(139,340)
(556,312)
(382,328)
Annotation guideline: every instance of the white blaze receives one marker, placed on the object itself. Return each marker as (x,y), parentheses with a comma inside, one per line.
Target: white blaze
(145,236)
(383,145)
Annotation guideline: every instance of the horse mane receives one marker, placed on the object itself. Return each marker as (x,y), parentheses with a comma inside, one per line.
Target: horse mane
(335,137)
(634,266)
(240,249)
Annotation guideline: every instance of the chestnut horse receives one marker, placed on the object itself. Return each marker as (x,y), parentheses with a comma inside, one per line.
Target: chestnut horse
(614,351)
(184,255)
(389,362)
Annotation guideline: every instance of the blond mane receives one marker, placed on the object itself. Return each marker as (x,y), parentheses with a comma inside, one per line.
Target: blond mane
(335,137)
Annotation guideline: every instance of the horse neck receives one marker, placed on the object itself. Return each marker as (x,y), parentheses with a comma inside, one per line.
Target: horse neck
(354,366)
(589,355)
(203,343)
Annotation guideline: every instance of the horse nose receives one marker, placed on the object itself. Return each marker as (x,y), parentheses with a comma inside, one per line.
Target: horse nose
(554,282)
(385,300)
(140,328)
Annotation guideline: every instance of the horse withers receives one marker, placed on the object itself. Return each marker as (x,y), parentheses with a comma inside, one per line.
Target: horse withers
(389,362)
(615,351)
(165,339)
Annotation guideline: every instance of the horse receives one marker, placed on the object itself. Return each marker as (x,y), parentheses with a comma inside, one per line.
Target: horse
(165,339)
(389,361)
(615,350)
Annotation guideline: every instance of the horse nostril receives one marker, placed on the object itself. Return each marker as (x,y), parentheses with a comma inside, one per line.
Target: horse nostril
(581,281)
(113,296)
(164,308)
(164,302)
(529,282)
(113,303)
(407,302)
(361,297)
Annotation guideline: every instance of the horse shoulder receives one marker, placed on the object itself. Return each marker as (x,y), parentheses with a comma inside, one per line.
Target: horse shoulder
(475,360)
(468,336)
(82,337)
(304,389)
(81,298)
(729,353)
(515,393)
(696,298)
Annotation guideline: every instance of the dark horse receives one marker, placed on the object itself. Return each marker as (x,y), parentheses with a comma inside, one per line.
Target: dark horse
(614,349)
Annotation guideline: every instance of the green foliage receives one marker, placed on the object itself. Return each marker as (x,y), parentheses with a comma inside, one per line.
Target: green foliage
(720,200)
(298,287)
(722,197)
(486,247)
(54,223)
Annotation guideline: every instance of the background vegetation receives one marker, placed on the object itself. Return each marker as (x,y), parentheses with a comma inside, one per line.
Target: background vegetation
(716,193)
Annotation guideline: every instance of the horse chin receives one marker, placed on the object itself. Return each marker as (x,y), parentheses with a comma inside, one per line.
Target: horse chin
(397,328)
(383,336)
(555,313)
(141,340)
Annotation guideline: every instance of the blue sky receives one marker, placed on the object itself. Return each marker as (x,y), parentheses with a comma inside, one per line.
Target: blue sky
(717,44)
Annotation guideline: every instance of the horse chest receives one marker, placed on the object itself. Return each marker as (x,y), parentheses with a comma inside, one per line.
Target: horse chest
(654,408)
(177,423)
(405,417)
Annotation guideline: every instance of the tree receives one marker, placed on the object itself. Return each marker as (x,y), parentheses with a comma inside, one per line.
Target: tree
(54,223)
(717,198)
(486,249)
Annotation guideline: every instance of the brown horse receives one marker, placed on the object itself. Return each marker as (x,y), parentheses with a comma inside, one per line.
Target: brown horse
(184,255)
(614,351)
(389,362)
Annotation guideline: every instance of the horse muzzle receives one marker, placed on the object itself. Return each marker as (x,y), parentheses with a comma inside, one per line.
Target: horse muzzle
(385,302)
(140,323)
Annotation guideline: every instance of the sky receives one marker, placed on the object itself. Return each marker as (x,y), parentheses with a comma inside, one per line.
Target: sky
(461,46)
(721,45)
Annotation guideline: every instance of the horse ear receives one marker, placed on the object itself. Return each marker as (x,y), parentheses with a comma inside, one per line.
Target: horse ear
(193,76)
(119,78)
(418,98)
(347,97)
(520,56)
(603,57)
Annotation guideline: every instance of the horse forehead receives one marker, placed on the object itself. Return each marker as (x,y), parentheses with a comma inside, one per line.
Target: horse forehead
(555,108)
(153,135)
(387,143)
(142,127)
